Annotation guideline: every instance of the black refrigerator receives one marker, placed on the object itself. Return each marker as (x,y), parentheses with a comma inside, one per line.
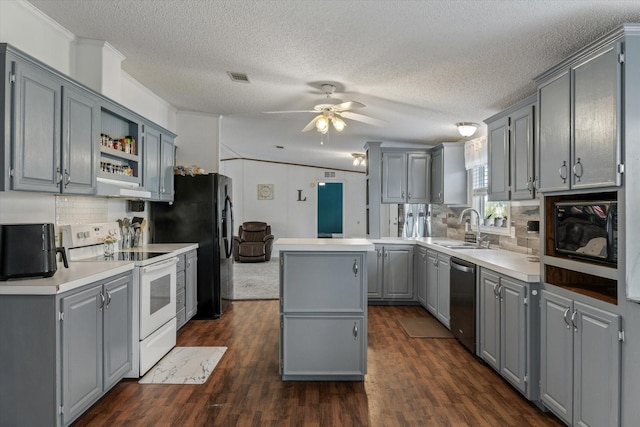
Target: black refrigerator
(202,212)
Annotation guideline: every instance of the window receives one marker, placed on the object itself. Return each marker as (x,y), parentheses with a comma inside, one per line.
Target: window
(494,214)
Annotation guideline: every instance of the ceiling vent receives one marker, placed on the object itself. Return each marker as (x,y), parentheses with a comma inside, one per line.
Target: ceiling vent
(329,174)
(238,77)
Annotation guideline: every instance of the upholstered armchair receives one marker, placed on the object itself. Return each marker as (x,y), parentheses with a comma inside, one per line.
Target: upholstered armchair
(253,242)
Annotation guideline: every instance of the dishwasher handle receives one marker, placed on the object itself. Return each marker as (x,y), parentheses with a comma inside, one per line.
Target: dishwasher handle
(462,268)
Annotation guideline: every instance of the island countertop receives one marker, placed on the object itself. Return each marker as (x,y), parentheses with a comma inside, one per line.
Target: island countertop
(323,245)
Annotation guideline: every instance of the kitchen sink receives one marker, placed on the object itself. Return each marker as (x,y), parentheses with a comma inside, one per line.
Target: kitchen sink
(460,246)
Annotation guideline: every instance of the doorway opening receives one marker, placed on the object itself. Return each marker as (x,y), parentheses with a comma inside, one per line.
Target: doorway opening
(330,205)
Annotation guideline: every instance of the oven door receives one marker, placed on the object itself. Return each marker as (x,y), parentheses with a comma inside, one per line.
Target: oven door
(157,295)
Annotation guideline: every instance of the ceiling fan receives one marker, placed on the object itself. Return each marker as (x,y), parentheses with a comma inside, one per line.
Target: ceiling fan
(332,111)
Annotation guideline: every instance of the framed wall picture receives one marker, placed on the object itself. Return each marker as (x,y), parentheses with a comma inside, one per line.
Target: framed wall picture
(265,191)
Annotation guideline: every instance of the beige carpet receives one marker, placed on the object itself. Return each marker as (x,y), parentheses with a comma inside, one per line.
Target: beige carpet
(256,280)
(423,327)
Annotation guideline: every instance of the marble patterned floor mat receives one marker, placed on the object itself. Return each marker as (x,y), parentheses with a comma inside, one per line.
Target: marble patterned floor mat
(184,365)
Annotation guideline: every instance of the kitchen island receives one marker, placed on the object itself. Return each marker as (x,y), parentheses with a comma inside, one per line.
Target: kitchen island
(323,309)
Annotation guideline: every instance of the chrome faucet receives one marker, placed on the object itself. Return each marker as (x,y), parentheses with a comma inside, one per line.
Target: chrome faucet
(478,236)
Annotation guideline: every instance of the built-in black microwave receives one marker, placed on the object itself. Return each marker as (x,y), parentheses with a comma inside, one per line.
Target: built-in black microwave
(588,230)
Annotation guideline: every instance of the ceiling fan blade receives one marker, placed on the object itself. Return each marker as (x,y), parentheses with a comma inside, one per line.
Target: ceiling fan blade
(293,111)
(312,124)
(349,105)
(362,118)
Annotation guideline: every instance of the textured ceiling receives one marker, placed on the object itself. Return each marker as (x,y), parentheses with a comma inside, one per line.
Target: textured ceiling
(420,65)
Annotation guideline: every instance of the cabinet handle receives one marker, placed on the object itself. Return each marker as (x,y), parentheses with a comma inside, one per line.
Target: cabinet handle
(355,267)
(530,184)
(575,170)
(402,195)
(355,330)
(573,320)
(101,301)
(409,196)
(435,262)
(108,299)
(67,178)
(564,316)
(563,171)
(379,252)
(535,183)
(58,176)
(386,254)
(495,291)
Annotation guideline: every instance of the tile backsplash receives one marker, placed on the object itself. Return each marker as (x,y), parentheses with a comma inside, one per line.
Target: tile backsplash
(444,223)
(81,210)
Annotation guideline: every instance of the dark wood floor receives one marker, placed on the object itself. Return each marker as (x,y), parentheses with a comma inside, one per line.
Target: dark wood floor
(410,382)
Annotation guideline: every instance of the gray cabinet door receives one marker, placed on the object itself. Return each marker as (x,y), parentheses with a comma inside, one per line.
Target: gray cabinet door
(513,332)
(596,367)
(521,148)
(166,168)
(596,128)
(398,273)
(553,161)
(444,274)
(332,282)
(152,161)
(80,115)
(437,176)
(498,146)
(118,329)
(421,276)
(36,124)
(490,319)
(419,188)
(81,347)
(374,273)
(556,355)
(323,345)
(432,282)
(191,285)
(394,177)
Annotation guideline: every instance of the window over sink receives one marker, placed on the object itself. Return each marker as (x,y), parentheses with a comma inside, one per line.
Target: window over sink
(495,215)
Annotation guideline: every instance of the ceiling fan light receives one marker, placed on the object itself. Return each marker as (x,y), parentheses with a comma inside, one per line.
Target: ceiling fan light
(359,159)
(338,124)
(467,128)
(322,124)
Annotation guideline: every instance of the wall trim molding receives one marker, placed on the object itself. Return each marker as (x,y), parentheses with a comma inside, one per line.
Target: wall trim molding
(290,164)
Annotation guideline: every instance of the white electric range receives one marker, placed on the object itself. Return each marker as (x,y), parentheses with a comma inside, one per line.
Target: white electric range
(154,290)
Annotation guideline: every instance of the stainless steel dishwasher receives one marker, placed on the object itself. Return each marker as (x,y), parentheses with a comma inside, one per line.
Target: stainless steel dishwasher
(463,302)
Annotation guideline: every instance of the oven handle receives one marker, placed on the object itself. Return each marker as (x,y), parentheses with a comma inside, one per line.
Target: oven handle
(160,265)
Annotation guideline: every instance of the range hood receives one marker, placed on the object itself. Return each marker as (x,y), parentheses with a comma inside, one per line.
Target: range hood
(115,188)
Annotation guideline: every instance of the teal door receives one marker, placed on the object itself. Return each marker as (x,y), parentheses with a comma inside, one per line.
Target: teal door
(329,208)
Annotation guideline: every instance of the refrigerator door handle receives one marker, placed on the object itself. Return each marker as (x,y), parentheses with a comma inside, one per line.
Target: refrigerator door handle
(228,243)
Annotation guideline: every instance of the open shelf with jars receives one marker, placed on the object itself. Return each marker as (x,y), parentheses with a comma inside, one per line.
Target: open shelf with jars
(120,153)
(584,276)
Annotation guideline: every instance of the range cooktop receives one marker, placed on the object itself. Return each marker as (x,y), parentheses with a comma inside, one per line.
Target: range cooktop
(127,256)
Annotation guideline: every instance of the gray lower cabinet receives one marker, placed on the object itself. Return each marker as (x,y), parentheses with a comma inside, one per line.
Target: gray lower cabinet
(508,329)
(79,345)
(53,129)
(438,288)
(186,287)
(391,273)
(420,275)
(323,315)
(580,361)
(158,163)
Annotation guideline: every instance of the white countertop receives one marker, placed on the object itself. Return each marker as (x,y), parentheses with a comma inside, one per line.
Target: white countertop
(65,279)
(512,264)
(323,245)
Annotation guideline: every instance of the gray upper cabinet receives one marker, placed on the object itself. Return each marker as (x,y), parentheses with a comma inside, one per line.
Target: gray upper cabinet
(448,175)
(405,177)
(511,152)
(158,163)
(80,115)
(580,361)
(53,129)
(579,122)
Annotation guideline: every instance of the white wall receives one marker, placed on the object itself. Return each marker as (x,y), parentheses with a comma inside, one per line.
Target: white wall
(287,216)
(197,140)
